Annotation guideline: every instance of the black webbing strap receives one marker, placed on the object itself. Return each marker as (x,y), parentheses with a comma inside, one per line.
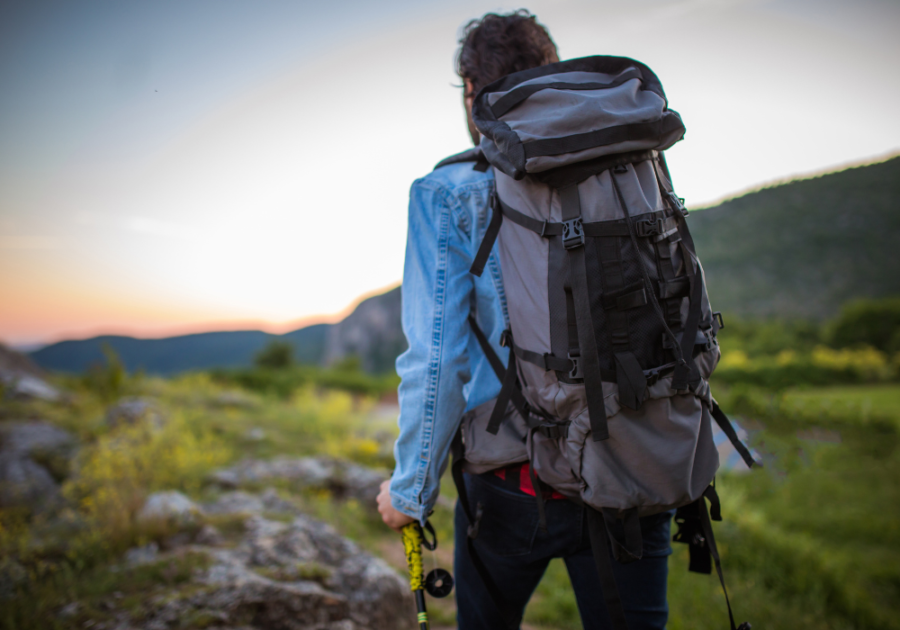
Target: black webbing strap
(687,370)
(515,97)
(632,547)
(518,400)
(510,617)
(671,288)
(600,548)
(536,484)
(507,387)
(690,532)
(726,426)
(587,343)
(710,493)
(649,225)
(580,171)
(669,123)
(490,237)
(493,359)
(629,376)
(559,298)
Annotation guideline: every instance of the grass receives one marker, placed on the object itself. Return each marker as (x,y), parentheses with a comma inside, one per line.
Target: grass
(857,400)
(813,540)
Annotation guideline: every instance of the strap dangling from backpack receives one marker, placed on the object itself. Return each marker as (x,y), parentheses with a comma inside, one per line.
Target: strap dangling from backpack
(600,548)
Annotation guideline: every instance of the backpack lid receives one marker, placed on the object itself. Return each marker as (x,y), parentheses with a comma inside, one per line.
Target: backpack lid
(567,112)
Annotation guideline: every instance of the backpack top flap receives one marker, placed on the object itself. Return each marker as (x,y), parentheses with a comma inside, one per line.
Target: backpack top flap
(567,112)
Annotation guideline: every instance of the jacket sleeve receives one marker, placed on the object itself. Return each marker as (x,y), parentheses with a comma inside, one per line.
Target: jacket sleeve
(437,293)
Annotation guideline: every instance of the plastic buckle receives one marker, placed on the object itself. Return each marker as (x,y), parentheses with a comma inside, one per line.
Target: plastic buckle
(573,233)
(677,203)
(554,431)
(575,372)
(506,339)
(649,227)
(717,319)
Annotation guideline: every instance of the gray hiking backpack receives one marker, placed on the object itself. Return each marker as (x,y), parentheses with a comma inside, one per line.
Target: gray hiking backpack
(612,338)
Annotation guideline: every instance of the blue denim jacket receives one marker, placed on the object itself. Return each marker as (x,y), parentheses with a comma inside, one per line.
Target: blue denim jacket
(444,373)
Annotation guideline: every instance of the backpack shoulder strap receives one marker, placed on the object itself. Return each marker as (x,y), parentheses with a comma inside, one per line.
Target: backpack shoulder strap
(472,155)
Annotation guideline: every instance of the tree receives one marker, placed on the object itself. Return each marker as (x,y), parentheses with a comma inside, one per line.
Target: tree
(277,355)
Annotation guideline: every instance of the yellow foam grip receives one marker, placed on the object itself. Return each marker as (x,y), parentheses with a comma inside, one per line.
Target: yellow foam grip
(412,544)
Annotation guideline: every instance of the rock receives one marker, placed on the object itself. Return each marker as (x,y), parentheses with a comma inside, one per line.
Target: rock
(235,503)
(255,435)
(69,610)
(209,535)
(170,506)
(25,483)
(24,439)
(344,479)
(43,443)
(292,576)
(21,378)
(181,539)
(371,332)
(27,386)
(133,410)
(34,456)
(142,555)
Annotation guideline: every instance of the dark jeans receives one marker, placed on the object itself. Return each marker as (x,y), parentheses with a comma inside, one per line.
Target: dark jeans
(517,553)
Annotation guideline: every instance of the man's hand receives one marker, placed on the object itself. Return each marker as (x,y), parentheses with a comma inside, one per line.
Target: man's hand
(391,517)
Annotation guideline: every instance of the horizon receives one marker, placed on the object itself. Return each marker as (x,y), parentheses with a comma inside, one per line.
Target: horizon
(283,328)
(164,173)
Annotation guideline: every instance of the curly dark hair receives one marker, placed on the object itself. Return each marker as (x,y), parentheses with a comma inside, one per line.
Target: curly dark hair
(497,45)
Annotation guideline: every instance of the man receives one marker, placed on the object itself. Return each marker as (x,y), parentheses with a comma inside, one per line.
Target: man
(445,374)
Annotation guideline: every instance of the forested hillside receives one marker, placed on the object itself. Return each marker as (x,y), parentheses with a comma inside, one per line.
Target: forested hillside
(802,249)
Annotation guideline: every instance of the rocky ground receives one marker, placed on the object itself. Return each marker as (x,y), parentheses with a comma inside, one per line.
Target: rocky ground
(282,571)
(245,557)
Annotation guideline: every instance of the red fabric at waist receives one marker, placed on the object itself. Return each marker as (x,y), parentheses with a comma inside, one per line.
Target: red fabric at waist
(518,477)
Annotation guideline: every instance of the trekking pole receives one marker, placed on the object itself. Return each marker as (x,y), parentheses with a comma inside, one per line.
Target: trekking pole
(438,582)
(412,544)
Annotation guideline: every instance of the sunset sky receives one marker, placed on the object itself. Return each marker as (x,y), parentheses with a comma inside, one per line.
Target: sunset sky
(168,166)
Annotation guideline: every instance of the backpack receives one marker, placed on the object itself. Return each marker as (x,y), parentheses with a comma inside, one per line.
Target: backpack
(611,335)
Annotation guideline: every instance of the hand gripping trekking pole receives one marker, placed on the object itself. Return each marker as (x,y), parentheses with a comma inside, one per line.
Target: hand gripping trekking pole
(438,583)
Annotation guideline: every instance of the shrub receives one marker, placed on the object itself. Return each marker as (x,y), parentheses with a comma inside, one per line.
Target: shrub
(108,382)
(277,355)
(874,323)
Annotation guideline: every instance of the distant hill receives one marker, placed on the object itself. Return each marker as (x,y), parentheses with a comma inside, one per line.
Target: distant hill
(797,250)
(320,344)
(803,248)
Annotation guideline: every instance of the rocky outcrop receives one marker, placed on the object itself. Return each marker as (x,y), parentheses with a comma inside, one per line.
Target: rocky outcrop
(293,575)
(372,332)
(344,479)
(34,457)
(21,378)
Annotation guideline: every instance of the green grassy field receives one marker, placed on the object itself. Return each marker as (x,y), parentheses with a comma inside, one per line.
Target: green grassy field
(811,541)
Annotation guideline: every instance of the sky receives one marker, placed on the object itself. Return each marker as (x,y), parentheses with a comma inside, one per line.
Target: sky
(170,167)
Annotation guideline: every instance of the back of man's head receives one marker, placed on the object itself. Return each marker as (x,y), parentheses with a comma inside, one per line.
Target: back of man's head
(497,45)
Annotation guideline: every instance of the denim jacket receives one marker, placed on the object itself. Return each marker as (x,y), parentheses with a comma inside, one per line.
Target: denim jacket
(444,373)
